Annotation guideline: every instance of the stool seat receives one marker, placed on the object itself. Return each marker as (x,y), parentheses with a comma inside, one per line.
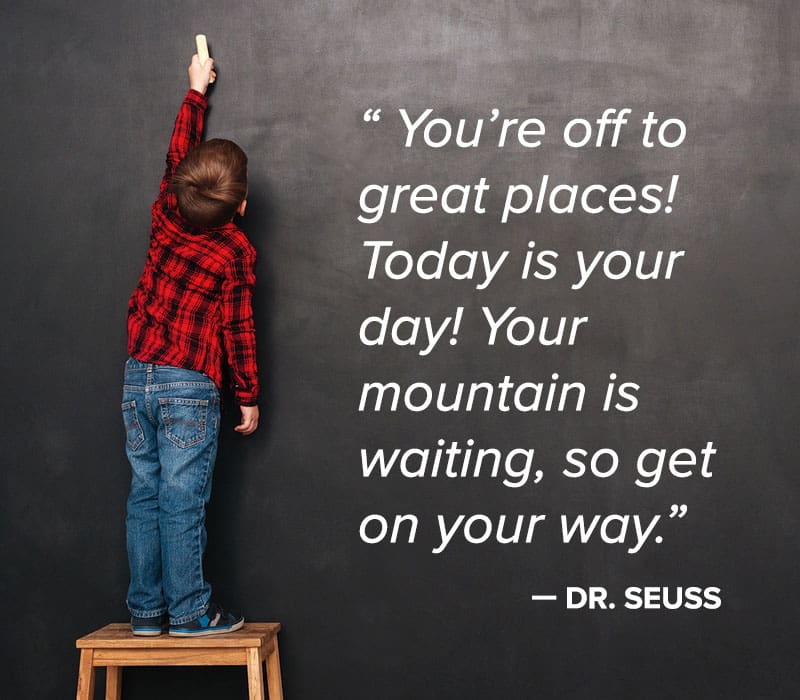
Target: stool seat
(115,646)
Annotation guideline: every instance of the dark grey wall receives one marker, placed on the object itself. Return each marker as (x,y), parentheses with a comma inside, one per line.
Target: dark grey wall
(89,95)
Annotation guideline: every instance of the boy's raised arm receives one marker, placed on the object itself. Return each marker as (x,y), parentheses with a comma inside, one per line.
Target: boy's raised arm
(188,129)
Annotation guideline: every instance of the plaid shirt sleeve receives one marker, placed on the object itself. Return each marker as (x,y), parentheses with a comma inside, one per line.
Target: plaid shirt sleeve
(238,328)
(187,133)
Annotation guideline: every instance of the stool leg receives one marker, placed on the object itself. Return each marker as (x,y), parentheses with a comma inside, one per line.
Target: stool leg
(86,675)
(274,685)
(113,682)
(255,679)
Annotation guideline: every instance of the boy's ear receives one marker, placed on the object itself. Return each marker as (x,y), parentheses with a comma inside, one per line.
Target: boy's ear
(242,207)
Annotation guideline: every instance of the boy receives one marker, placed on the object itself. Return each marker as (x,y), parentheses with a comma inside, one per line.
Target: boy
(192,306)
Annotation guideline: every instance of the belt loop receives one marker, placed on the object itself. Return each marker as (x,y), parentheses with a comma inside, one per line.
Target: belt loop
(150,373)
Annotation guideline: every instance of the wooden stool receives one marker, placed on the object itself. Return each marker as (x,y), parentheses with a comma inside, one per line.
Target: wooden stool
(114,646)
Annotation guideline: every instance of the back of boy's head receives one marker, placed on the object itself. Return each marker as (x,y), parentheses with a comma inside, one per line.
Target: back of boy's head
(211,182)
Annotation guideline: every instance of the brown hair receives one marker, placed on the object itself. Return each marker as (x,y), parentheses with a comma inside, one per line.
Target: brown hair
(211,182)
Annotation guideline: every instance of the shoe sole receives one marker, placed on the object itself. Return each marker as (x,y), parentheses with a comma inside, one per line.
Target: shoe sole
(208,631)
(147,632)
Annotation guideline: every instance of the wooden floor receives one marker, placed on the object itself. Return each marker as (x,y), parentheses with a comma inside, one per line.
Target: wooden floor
(114,646)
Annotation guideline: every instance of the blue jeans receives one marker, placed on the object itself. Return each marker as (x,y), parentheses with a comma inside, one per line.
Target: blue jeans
(171,418)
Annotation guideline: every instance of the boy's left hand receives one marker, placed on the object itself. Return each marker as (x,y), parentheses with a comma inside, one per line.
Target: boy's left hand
(201,74)
(249,420)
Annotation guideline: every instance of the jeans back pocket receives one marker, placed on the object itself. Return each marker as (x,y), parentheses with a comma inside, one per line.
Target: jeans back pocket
(184,420)
(133,429)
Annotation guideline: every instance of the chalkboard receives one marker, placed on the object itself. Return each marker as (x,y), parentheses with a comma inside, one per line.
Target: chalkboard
(90,94)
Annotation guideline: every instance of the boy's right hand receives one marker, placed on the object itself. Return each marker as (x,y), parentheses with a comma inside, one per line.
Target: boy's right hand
(201,74)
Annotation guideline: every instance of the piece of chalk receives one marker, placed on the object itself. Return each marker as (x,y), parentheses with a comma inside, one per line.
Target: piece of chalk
(202,50)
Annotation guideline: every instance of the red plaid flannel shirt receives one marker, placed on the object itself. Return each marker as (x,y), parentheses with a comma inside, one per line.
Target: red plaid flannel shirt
(193,303)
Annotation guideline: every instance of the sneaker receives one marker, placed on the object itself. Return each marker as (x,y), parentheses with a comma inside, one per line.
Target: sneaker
(149,626)
(214,621)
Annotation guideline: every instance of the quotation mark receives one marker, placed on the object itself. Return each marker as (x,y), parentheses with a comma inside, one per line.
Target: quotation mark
(677,511)
(372,115)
